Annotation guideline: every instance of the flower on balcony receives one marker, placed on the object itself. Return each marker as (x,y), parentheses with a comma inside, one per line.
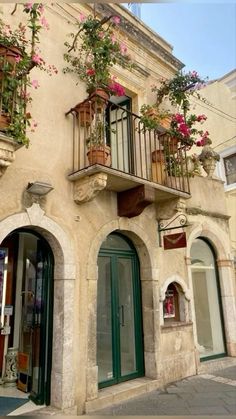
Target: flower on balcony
(94,51)
(183,129)
(179,89)
(152,117)
(19,54)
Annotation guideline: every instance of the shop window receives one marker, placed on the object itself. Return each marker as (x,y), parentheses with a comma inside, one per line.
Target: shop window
(171,309)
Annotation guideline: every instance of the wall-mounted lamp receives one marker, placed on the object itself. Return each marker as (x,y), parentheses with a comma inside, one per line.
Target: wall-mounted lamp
(39,188)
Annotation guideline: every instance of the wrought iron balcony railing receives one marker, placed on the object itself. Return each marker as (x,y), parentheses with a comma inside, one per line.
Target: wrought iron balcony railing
(110,135)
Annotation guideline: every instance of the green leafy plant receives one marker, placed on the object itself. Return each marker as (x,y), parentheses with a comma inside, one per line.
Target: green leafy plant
(152,117)
(93,52)
(179,89)
(19,54)
(97,135)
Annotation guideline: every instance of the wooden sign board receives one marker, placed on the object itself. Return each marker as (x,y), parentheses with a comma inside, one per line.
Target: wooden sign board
(174,241)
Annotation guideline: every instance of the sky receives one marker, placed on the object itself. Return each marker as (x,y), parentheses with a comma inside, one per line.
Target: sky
(203,34)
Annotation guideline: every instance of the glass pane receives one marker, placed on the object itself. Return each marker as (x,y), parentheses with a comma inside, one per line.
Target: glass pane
(36,338)
(114,241)
(206,302)
(104,321)
(126,315)
(230,169)
(119,139)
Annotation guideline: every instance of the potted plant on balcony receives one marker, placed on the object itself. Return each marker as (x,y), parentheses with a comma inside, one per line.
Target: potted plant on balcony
(98,151)
(184,132)
(19,54)
(154,118)
(93,52)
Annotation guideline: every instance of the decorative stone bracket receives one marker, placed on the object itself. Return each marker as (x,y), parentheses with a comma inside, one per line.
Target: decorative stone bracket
(88,187)
(7,152)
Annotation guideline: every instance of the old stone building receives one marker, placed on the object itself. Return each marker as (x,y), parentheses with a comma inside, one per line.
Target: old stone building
(221,122)
(106,304)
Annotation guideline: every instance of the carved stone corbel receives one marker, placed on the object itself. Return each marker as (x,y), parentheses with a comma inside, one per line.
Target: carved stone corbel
(87,188)
(7,152)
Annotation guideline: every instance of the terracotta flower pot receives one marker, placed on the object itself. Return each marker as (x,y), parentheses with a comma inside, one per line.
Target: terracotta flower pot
(99,155)
(9,54)
(85,113)
(99,98)
(158,156)
(165,122)
(4,121)
(170,144)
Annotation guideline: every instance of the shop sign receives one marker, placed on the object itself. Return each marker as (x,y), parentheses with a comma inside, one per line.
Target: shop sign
(174,241)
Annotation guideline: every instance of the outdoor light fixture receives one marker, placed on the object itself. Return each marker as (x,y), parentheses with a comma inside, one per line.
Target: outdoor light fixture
(39,188)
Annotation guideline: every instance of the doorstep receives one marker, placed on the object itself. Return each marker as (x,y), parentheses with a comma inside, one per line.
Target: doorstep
(119,392)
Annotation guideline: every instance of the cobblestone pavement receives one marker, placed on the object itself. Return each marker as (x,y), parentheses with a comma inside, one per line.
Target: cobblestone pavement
(205,394)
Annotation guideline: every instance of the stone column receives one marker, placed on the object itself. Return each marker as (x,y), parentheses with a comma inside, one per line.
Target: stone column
(151,321)
(226,274)
(62,377)
(92,368)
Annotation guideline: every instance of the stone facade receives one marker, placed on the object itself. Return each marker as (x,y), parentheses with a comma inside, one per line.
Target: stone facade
(220,109)
(75,232)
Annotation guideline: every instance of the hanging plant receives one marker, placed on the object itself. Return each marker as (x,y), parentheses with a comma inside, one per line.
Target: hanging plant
(19,54)
(94,50)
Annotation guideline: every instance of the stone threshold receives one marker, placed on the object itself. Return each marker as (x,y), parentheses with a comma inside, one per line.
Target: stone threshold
(120,392)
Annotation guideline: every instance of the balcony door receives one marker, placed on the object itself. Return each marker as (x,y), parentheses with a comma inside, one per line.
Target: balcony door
(119,320)
(120,134)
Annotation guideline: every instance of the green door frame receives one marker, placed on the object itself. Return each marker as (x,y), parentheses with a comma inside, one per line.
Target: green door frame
(114,255)
(43,396)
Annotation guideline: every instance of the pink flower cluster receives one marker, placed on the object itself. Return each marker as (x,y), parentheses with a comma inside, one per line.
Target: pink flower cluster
(116,88)
(90,72)
(40,9)
(182,127)
(204,140)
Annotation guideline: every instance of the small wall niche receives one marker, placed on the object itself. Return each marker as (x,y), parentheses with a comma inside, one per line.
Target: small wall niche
(174,303)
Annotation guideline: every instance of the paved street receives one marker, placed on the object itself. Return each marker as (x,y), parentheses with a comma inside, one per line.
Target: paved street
(205,394)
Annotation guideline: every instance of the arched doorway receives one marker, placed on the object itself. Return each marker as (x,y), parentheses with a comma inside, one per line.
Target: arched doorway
(119,314)
(28,290)
(207,303)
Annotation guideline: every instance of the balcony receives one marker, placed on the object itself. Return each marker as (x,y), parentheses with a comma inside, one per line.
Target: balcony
(111,143)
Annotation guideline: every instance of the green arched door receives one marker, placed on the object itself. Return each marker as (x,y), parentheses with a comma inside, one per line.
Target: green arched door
(119,316)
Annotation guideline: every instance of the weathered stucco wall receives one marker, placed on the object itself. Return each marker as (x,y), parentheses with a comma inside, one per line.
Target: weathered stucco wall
(77,232)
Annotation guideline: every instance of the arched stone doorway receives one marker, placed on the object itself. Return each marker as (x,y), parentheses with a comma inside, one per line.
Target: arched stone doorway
(62,377)
(149,276)
(27,292)
(119,313)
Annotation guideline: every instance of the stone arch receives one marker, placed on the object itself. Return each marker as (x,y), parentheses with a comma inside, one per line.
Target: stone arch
(64,276)
(216,236)
(135,233)
(183,294)
(150,303)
